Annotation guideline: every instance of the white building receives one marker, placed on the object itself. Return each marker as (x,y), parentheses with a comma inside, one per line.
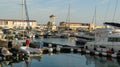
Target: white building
(51,23)
(52,19)
(10,23)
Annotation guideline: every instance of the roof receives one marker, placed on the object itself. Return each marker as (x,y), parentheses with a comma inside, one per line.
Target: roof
(15,20)
(112,24)
(52,16)
(75,23)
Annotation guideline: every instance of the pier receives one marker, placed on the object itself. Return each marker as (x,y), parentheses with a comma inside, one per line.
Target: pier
(49,47)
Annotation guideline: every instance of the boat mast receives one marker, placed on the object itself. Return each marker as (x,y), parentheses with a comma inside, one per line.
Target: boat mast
(68,16)
(115,10)
(106,12)
(94,22)
(94,17)
(22,9)
(23,14)
(27,16)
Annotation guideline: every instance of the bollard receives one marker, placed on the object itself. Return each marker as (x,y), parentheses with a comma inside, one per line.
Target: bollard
(50,50)
(58,49)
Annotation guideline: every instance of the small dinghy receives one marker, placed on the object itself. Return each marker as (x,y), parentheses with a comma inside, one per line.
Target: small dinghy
(104,53)
(29,50)
(87,51)
(114,55)
(96,53)
(5,52)
(79,50)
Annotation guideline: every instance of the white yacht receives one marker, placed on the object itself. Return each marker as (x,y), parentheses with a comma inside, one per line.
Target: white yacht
(84,37)
(107,38)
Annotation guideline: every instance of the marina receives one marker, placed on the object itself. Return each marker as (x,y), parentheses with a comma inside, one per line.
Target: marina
(25,42)
(65,55)
(20,50)
(26,49)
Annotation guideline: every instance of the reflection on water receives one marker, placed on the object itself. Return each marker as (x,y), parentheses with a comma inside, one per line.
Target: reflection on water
(63,60)
(102,61)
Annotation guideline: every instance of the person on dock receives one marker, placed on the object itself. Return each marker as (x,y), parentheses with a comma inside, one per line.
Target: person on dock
(94,48)
(27,42)
(112,50)
(86,47)
(10,44)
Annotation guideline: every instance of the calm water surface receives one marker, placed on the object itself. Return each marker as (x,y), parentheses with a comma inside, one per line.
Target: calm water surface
(69,41)
(64,59)
(67,60)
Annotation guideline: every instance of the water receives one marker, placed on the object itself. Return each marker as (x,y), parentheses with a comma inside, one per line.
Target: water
(68,60)
(69,41)
(64,59)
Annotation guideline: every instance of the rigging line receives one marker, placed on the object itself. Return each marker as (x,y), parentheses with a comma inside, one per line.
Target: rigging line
(115,10)
(68,14)
(106,13)
(94,16)
(22,9)
(94,21)
(23,14)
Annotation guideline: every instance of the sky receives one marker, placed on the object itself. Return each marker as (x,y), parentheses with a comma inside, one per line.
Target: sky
(81,11)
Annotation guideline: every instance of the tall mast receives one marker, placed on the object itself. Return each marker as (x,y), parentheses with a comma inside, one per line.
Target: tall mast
(22,9)
(106,12)
(23,13)
(115,10)
(94,17)
(68,15)
(27,16)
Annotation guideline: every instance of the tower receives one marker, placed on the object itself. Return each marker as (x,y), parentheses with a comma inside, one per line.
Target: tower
(52,19)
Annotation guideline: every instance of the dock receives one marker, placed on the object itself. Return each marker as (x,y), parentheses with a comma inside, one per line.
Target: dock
(49,47)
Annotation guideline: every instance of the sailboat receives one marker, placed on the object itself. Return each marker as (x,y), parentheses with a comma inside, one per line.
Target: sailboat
(86,36)
(26,49)
(66,32)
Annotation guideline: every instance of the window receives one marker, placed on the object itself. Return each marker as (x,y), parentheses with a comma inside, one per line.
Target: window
(85,24)
(13,22)
(113,39)
(1,23)
(6,22)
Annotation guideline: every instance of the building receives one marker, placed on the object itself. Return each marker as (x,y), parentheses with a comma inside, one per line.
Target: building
(51,24)
(52,19)
(75,26)
(12,23)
